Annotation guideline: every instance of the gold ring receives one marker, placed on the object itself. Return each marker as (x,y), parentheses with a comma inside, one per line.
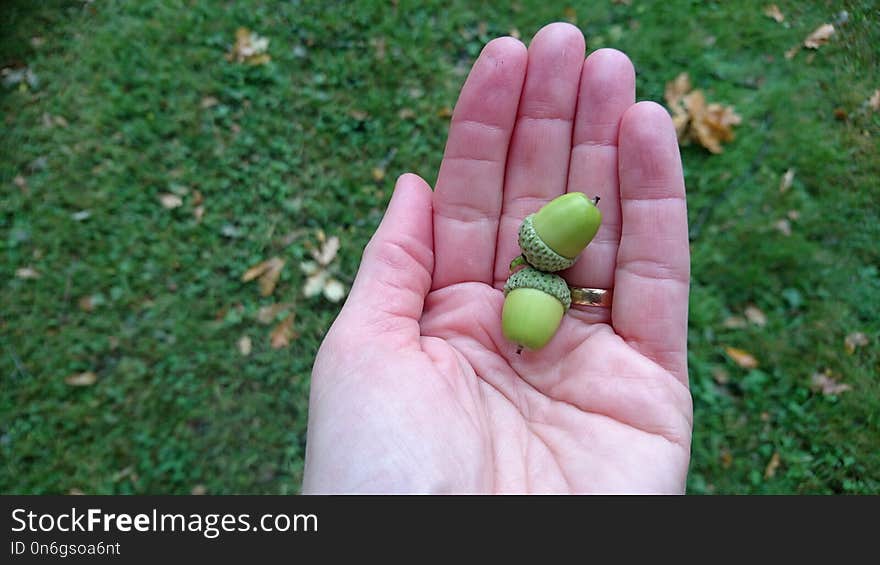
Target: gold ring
(598,297)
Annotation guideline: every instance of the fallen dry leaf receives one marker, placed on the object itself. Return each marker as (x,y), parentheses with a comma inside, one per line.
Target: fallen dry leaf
(726,459)
(82,379)
(826,384)
(245,345)
(209,102)
(874,100)
(710,125)
(268,314)
(198,213)
(793,51)
(772,11)
(378,174)
(27,273)
(444,112)
(734,322)
(328,251)
(333,290)
(742,358)
(786,181)
(283,333)
(170,201)
(406,114)
(772,466)
(720,375)
(268,272)
(19,181)
(249,48)
(199,490)
(755,316)
(783,226)
(855,340)
(819,37)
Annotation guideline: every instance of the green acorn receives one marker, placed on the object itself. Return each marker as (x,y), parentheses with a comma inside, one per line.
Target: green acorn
(534,304)
(553,237)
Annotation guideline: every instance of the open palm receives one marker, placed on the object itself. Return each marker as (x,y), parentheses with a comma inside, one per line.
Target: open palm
(416,390)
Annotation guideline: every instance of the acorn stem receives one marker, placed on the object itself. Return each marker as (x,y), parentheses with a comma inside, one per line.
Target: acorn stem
(519,349)
(518,262)
(596,200)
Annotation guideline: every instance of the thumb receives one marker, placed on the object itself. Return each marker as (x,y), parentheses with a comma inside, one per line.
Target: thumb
(389,291)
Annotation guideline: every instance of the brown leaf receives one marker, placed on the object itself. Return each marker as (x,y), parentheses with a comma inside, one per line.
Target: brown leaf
(209,102)
(786,181)
(755,316)
(826,384)
(695,120)
(86,303)
(726,459)
(82,379)
(268,272)
(268,314)
(406,114)
(819,37)
(793,51)
(245,345)
(773,12)
(27,273)
(170,201)
(720,375)
(199,490)
(772,466)
(444,112)
(734,322)
(283,333)
(855,340)
(359,115)
(328,251)
(874,100)
(742,358)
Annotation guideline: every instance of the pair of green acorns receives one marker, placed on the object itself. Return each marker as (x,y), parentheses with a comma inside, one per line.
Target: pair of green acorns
(551,240)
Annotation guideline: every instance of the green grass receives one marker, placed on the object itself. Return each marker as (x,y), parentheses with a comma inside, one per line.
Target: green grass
(289,149)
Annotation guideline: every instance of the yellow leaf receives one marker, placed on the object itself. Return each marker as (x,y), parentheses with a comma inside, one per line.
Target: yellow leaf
(249,48)
(819,37)
(855,340)
(444,112)
(742,358)
(772,11)
(378,174)
(283,333)
(82,379)
(772,466)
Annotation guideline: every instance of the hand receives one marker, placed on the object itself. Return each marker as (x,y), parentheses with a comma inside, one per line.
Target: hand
(416,390)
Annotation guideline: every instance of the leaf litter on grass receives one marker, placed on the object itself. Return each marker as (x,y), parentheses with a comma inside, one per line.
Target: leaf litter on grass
(709,124)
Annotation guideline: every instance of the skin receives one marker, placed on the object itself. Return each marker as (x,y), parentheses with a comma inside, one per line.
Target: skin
(415,389)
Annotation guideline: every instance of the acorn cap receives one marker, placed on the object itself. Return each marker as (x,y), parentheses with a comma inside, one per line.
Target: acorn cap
(538,253)
(552,284)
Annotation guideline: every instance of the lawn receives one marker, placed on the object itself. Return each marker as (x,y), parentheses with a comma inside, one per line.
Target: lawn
(142,173)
